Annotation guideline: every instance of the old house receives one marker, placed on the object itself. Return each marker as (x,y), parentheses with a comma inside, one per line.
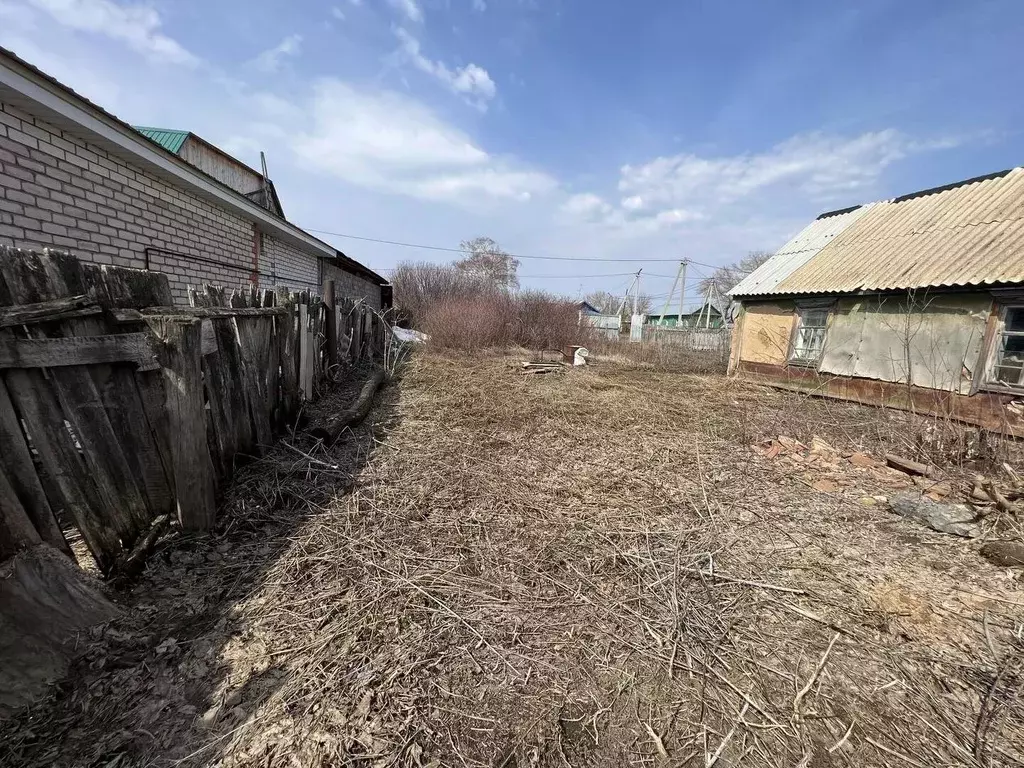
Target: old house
(74,177)
(915,302)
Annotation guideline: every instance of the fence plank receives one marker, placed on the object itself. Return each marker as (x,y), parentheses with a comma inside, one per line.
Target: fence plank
(33,277)
(192,467)
(78,350)
(16,529)
(48,311)
(305,354)
(286,343)
(71,485)
(24,481)
(254,346)
(134,399)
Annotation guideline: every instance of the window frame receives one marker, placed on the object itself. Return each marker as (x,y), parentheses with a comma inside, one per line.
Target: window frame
(802,310)
(996,348)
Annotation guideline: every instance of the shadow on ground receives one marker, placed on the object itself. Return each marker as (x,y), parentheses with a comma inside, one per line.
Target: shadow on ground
(170,682)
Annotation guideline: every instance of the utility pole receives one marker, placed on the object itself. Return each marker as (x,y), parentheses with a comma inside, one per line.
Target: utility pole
(668,299)
(682,291)
(636,290)
(622,304)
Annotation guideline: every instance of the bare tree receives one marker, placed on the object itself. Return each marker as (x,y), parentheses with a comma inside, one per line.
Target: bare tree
(608,303)
(725,278)
(486,261)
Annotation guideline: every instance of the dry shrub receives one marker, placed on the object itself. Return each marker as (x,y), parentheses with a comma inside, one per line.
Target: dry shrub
(492,319)
(421,286)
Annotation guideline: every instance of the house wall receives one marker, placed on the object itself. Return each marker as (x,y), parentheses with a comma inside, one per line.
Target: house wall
(764,332)
(224,169)
(352,286)
(58,191)
(933,341)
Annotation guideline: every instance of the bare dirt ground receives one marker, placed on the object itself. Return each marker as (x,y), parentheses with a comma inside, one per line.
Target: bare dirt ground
(605,567)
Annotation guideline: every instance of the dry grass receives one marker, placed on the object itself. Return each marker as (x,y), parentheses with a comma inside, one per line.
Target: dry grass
(585,569)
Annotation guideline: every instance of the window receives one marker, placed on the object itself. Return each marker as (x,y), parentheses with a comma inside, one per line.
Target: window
(1008,365)
(809,341)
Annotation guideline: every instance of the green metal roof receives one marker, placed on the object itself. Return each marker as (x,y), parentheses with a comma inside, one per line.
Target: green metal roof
(170,140)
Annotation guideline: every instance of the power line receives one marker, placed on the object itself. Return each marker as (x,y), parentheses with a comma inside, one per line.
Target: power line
(421,246)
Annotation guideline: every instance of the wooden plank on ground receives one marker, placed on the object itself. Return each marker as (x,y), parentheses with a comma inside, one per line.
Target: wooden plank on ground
(192,467)
(16,459)
(78,350)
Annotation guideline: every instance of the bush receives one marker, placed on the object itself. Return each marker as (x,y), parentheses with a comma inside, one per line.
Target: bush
(496,319)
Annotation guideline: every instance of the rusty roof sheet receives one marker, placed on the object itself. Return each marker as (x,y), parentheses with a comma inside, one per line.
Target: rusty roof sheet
(965,234)
(798,251)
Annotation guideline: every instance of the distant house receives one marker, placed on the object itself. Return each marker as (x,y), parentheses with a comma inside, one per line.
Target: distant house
(586,308)
(607,325)
(916,302)
(75,177)
(708,315)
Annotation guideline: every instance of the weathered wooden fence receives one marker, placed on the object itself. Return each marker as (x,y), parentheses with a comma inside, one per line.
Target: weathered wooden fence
(117,408)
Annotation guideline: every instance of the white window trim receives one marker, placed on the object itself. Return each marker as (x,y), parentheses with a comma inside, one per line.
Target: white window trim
(990,382)
(803,362)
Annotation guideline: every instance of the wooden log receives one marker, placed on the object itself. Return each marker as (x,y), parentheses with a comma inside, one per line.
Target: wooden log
(352,415)
(78,350)
(194,486)
(130,564)
(21,472)
(48,311)
(909,466)
(45,603)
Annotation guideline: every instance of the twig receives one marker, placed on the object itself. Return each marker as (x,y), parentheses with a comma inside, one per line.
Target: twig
(846,736)
(728,737)
(810,683)
(658,743)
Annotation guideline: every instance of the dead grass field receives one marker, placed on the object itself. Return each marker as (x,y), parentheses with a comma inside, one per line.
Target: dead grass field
(595,568)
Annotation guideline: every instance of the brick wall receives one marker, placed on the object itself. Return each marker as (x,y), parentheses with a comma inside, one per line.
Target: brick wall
(351,286)
(289,265)
(58,191)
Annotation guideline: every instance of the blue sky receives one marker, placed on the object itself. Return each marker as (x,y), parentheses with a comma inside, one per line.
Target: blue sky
(596,129)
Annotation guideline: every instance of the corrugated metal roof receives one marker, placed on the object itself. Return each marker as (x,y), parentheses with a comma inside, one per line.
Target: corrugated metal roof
(960,235)
(168,139)
(798,251)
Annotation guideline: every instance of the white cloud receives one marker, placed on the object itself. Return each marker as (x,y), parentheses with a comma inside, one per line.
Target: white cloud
(408,8)
(390,142)
(479,5)
(814,165)
(137,26)
(271,59)
(471,81)
(337,13)
(587,206)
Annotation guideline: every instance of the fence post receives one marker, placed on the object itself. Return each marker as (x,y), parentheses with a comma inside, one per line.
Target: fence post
(331,329)
(180,357)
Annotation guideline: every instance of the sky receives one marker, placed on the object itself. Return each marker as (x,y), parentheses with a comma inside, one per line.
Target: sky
(626,134)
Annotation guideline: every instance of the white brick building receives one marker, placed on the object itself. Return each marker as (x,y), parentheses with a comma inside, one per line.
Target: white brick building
(73,176)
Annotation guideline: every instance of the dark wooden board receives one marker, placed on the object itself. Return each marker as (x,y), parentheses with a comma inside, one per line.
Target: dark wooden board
(78,350)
